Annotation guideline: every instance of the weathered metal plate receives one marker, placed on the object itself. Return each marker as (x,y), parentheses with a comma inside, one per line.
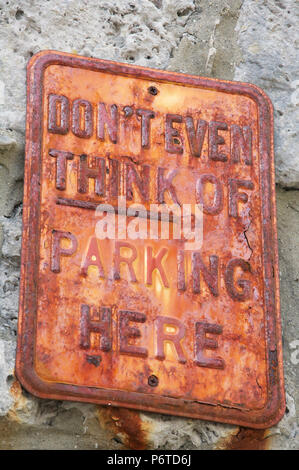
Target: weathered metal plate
(145,323)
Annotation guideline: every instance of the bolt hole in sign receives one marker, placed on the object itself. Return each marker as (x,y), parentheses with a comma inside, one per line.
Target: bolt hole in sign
(149,274)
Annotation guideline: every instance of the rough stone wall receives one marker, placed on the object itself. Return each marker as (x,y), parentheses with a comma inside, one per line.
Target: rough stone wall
(249,40)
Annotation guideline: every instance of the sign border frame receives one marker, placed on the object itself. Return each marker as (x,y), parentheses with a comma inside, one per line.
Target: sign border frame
(25,372)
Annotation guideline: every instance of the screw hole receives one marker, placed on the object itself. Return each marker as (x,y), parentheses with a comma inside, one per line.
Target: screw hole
(153,90)
(153,381)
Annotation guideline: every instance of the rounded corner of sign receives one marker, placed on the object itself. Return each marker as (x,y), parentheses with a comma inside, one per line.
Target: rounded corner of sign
(42,59)
(259,96)
(271,414)
(31,382)
(38,56)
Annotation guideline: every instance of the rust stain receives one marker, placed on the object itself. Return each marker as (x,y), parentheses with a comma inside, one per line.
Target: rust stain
(248,439)
(16,390)
(20,402)
(149,323)
(126,424)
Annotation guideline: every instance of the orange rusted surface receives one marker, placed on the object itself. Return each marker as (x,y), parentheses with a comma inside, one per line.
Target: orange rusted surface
(145,323)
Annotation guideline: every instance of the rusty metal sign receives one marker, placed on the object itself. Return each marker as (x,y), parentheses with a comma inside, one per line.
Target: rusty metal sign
(149,260)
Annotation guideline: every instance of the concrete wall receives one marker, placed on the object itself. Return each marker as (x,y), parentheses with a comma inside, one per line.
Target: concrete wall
(251,40)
